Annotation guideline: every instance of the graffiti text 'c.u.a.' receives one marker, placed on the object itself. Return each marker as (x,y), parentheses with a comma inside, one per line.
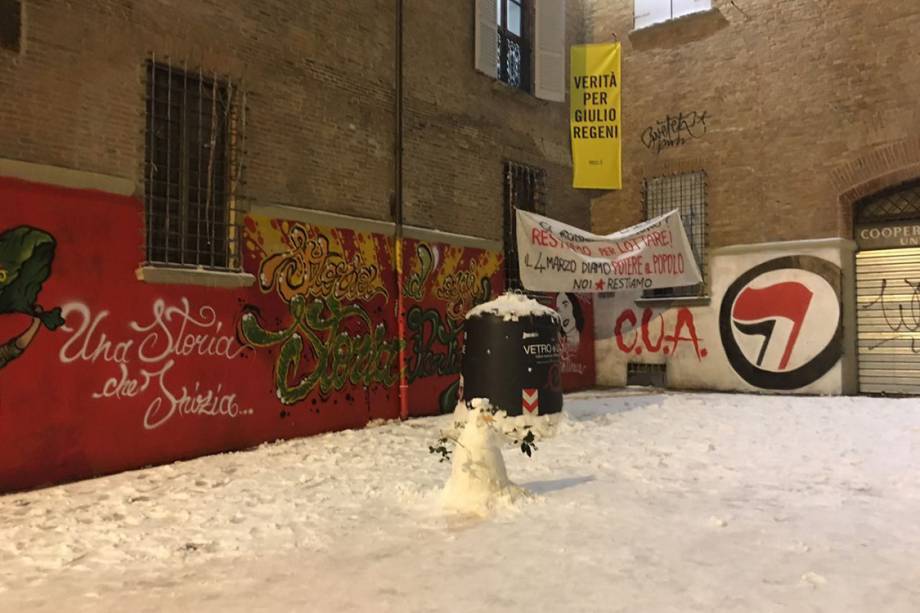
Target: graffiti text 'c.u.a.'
(342,346)
(634,338)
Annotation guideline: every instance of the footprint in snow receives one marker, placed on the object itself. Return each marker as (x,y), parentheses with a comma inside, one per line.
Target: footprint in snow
(813,579)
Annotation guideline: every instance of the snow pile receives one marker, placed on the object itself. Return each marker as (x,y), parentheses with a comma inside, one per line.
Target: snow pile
(511,307)
(478,481)
(677,502)
(510,426)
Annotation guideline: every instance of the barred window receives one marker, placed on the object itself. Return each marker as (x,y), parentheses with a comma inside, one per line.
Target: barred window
(11,25)
(525,189)
(191,171)
(523,43)
(513,60)
(898,203)
(686,193)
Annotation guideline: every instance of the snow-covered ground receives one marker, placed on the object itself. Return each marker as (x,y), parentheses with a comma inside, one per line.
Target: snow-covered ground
(683,502)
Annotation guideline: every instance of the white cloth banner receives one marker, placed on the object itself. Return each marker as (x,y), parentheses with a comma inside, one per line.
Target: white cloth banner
(557,257)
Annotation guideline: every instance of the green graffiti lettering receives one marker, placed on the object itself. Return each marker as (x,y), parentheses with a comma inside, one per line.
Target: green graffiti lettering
(336,356)
(415,284)
(427,327)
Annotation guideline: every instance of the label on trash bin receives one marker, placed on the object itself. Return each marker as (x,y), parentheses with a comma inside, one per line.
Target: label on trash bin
(543,353)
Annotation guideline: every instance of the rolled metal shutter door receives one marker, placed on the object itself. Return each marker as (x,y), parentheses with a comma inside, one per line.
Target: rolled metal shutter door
(888,320)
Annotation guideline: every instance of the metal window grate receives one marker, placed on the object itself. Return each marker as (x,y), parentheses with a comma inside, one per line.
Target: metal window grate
(11,25)
(649,375)
(513,57)
(193,167)
(687,193)
(525,188)
(898,203)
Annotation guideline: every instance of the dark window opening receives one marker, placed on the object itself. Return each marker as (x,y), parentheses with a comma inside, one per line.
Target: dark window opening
(189,218)
(686,193)
(525,189)
(513,43)
(647,375)
(898,203)
(11,25)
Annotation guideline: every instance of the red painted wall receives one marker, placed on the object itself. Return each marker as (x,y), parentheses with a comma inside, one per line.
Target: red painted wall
(443,282)
(142,373)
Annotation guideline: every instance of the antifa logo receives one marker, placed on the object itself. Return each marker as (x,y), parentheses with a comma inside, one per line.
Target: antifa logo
(756,311)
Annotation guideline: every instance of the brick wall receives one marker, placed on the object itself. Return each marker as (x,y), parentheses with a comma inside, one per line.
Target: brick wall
(808,104)
(461,125)
(319,78)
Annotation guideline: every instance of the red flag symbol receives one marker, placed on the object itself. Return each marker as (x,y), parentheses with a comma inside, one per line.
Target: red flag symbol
(788,299)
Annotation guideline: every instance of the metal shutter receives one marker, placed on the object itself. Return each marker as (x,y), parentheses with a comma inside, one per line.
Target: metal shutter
(888,320)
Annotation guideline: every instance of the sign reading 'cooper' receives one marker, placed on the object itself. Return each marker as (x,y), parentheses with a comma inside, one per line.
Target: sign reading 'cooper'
(557,257)
(888,236)
(780,322)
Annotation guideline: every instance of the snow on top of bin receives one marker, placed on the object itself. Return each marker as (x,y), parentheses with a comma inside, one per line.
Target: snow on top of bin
(511,307)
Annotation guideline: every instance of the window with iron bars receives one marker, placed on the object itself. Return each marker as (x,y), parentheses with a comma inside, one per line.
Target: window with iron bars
(192,169)
(898,203)
(525,189)
(513,43)
(687,193)
(11,25)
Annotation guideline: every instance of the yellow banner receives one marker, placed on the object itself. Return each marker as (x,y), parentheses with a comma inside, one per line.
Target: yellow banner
(595,116)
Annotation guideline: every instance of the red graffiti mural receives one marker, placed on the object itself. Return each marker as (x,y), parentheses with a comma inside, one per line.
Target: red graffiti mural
(321,315)
(651,336)
(443,282)
(101,372)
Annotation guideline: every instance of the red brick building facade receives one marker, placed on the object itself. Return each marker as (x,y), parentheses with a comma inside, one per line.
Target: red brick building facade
(202,205)
(770,123)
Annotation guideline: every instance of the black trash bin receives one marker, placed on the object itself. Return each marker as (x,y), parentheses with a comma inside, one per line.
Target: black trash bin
(511,355)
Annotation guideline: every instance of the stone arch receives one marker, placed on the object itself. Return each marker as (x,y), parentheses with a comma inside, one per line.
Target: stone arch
(898,203)
(882,168)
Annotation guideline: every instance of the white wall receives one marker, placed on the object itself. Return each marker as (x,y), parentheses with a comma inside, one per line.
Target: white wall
(692,347)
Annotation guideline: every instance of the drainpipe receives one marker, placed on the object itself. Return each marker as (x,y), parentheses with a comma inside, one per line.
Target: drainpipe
(398,217)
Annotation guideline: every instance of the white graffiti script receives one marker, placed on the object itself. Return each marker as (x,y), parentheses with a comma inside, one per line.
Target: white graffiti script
(146,358)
